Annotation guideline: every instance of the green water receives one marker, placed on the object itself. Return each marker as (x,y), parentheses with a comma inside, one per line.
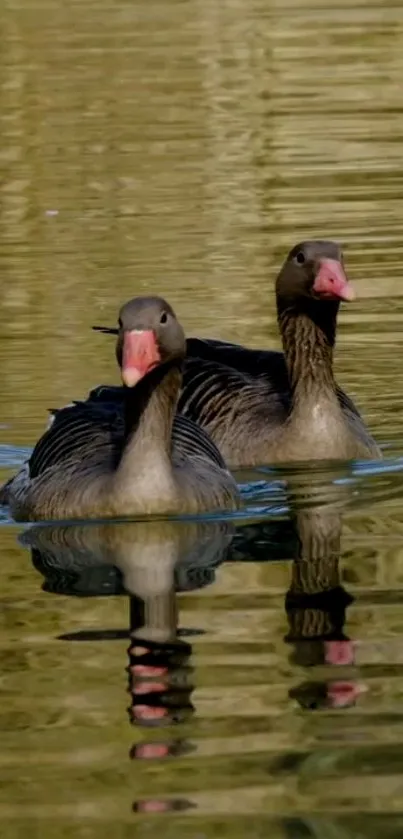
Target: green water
(182,148)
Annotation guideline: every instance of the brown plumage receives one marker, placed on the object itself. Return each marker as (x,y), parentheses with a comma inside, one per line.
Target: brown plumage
(264,406)
(98,462)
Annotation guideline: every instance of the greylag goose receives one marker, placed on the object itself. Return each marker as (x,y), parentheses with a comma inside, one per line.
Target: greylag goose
(264,406)
(92,463)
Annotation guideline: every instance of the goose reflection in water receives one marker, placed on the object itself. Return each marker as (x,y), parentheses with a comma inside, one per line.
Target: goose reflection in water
(150,562)
(316,605)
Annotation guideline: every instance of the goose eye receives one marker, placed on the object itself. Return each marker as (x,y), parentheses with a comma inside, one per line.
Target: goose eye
(164,317)
(300,258)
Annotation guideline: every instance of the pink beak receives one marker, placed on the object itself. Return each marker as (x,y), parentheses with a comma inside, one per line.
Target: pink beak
(140,355)
(331,282)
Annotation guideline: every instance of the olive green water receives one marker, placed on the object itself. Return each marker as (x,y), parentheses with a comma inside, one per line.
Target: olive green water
(182,148)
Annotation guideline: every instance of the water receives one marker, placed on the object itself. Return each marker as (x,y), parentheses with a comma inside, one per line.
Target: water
(182,148)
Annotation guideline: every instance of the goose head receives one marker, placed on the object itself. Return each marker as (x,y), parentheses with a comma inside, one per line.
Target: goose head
(314,271)
(148,335)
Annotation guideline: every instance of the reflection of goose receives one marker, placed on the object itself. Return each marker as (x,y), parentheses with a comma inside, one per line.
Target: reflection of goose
(94,464)
(110,558)
(316,605)
(153,558)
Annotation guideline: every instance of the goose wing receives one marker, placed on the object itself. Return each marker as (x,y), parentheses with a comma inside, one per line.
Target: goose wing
(266,365)
(95,428)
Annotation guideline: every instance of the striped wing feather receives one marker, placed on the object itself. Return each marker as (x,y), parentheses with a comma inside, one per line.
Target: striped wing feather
(94,430)
(267,366)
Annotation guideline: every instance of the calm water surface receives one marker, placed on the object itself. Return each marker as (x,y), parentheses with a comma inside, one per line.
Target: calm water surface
(238,678)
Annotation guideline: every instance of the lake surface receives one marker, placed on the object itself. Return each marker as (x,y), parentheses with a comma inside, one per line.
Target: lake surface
(218,679)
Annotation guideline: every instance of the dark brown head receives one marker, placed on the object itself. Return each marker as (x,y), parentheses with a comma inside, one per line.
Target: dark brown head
(149,335)
(314,271)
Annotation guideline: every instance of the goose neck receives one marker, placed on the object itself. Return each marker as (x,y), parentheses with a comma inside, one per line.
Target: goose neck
(308,336)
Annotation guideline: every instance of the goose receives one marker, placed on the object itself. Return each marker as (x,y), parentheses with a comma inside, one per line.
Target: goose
(96,462)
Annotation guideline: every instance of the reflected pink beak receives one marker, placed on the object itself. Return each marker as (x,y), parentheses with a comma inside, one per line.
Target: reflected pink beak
(344,694)
(331,282)
(140,355)
(339,652)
